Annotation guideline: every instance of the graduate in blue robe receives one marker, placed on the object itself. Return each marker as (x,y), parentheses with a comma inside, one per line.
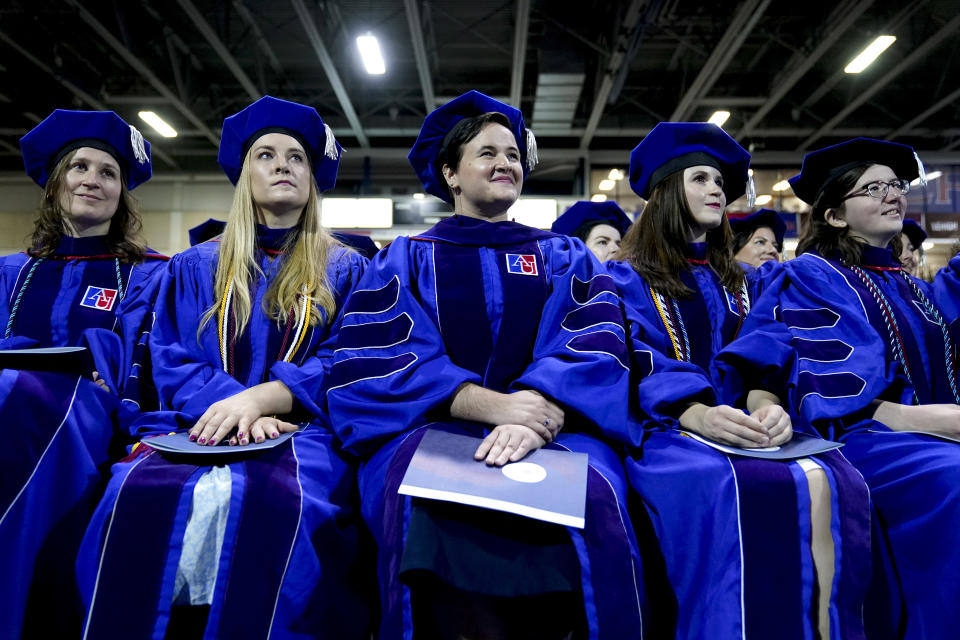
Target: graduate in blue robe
(758,237)
(87,270)
(872,364)
(601,226)
(489,328)
(260,544)
(748,547)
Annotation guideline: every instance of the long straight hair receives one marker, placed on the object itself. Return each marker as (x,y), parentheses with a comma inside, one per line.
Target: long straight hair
(828,240)
(303,272)
(656,245)
(123,236)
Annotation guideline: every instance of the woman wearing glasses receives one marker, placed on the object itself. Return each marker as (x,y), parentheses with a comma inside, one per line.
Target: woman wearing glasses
(875,367)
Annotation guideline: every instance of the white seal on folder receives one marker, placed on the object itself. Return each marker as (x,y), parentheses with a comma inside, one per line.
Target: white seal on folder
(524,472)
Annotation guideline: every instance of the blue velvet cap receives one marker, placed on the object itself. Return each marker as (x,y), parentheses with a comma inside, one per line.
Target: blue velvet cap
(763,218)
(441,120)
(273,115)
(65,130)
(673,146)
(363,244)
(210,228)
(823,166)
(915,232)
(582,212)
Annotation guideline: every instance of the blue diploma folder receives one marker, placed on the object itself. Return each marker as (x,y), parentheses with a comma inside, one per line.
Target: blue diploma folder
(547,484)
(801,445)
(180,443)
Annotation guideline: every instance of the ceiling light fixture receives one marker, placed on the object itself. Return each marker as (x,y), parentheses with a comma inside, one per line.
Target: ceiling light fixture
(868,55)
(599,197)
(606,185)
(783,185)
(719,117)
(158,124)
(764,199)
(370,54)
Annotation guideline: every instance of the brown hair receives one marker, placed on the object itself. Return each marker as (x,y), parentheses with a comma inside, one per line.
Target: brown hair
(123,237)
(656,245)
(827,240)
(451,149)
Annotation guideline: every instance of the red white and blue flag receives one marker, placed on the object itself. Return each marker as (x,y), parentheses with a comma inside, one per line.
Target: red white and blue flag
(522,263)
(99,298)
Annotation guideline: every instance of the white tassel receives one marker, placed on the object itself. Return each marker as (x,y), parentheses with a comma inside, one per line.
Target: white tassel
(920,170)
(533,158)
(751,192)
(139,148)
(330,146)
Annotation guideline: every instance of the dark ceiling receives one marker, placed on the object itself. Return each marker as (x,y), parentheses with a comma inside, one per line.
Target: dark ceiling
(592,77)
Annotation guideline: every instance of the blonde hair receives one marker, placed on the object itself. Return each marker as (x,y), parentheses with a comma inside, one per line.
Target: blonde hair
(304,271)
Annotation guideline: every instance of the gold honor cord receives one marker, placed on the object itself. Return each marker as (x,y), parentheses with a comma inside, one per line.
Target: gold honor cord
(659,303)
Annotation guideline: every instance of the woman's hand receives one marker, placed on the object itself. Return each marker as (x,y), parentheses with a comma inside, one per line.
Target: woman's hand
(776,421)
(261,429)
(943,419)
(508,443)
(100,382)
(726,425)
(241,411)
(527,408)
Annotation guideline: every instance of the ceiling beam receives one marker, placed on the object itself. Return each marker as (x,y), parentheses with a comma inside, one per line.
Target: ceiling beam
(631,22)
(265,47)
(916,54)
(420,53)
(214,40)
(334,78)
(803,61)
(144,71)
(82,95)
(940,104)
(741,25)
(827,85)
(520,33)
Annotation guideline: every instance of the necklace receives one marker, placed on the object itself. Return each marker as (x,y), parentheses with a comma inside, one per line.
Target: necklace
(26,282)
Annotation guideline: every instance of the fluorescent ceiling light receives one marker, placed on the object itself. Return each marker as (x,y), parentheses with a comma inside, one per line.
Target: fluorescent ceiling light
(790,244)
(933,175)
(615,174)
(370,53)
(783,185)
(418,196)
(158,124)
(928,245)
(764,199)
(599,197)
(356,213)
(871,53)
(719,117)
(606,185)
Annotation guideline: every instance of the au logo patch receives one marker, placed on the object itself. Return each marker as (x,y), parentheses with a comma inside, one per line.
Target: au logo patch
(99,298)
(524,264)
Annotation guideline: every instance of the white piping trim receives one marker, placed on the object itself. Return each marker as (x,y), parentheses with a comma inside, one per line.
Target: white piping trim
(103,549)
(351,313)
(380,346)
(386,375)
(47,448)
(293,543)
(595,296)
(743,608)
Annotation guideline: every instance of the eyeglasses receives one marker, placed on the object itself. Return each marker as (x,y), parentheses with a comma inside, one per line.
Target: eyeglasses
(880,189)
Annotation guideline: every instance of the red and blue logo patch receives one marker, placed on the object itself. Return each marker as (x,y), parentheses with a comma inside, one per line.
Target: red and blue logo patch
(524,264)
(99,298)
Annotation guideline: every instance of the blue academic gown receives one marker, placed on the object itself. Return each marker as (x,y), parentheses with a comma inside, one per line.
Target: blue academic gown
(733,532)
(51,463)
(819,320)
(288,567)
(507,307)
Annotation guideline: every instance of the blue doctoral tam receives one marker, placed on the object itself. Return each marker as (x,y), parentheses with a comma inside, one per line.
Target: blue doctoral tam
(273,115)
(762,218)
(915,232)
(364,245)
(673,146)
(585,212)
(65,130)
(823,166)
(206,230)
(441,120)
